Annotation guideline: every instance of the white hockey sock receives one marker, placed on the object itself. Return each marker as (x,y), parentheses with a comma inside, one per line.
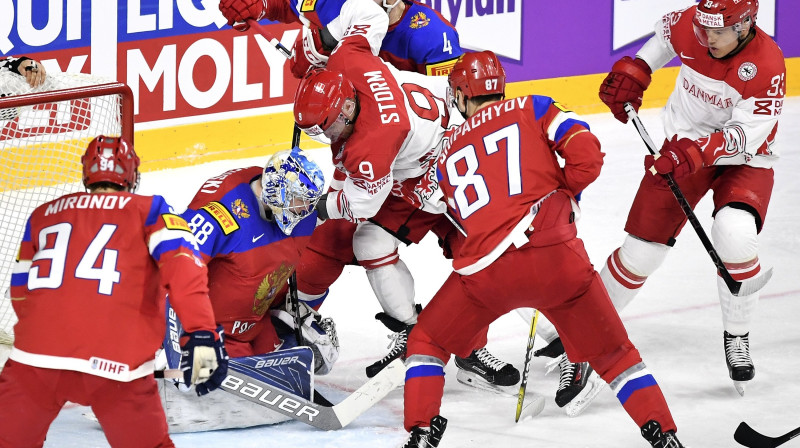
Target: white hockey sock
(738,312)
(394,287)
(621,284)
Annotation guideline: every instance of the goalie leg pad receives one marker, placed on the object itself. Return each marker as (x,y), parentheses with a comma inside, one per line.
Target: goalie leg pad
(628,267)
(736,241)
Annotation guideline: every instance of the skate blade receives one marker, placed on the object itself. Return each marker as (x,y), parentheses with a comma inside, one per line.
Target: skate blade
(740,386)
(577,405)
(476,381)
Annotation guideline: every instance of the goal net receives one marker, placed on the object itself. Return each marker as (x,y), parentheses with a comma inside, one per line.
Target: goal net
(43,134)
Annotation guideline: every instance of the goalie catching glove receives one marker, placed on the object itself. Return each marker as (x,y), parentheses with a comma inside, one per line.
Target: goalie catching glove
(319,334)
(204,361)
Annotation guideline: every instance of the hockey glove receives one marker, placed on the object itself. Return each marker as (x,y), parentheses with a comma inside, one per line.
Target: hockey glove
(308,52)
(319,334)
(204,361)
(238,11)
(678,156)
(626,83)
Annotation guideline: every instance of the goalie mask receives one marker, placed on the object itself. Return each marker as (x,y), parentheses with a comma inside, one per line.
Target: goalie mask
(291,186)
(112,160)
(325,106)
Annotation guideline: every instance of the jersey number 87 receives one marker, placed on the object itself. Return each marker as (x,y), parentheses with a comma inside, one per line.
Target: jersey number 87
(471,178)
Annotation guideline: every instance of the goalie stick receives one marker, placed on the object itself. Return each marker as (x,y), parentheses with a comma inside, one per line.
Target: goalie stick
(320,416)
(535,407)
(743,288)
(749,437)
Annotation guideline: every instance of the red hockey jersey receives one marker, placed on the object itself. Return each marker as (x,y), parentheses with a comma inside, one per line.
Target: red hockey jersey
(501,161)
(86,284)
(249,258)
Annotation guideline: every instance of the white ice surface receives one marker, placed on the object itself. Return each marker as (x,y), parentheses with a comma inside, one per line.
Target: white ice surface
(675,323)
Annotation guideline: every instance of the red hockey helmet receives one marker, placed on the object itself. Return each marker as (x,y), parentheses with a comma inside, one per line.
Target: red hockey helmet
(725,13)
(113,160)
(319,103)
(478,74)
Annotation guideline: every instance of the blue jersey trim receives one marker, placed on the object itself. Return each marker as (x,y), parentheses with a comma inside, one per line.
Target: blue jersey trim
(633,385)
(567,125)
(424,370)
(540,105)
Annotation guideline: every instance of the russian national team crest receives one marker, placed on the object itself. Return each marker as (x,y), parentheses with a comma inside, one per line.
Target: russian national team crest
(420,20)
(269,287)
(747,71)
(239,208)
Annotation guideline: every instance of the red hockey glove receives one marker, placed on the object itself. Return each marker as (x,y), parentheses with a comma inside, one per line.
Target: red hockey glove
(308,52)
(626,83)
(678,156)
(238,11)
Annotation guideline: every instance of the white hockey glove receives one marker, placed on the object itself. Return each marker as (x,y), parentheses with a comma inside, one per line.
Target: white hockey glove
(319,334)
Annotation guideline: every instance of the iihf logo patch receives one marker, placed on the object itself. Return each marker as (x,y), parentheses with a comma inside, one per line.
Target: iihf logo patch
(747,71)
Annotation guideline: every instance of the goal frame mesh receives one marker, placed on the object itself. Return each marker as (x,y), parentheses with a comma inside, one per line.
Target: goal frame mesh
(12,212)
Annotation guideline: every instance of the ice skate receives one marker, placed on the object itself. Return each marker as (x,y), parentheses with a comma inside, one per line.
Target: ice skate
(482,370)
(572,394)
(427,437)
(593,386)
(737,357)
(397,346)
(651,431)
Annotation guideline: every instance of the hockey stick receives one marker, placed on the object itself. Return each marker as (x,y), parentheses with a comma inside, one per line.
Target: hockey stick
(270,37)
(749,437)
(528,354)
(319,416)
(293,300)
(743,288)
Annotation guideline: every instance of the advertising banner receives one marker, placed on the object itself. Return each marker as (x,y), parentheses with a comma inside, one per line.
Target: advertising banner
(187,67)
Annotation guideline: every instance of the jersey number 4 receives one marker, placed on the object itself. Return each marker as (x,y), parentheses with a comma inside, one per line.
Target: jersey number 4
(470,179)
(106,274)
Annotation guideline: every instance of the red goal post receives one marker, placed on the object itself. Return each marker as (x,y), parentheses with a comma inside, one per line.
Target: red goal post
(43,134)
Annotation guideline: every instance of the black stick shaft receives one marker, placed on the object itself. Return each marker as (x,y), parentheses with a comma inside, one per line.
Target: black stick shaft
(732,284)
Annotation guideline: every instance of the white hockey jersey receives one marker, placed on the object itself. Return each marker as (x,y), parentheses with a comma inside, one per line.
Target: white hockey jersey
(402,118)
(729,106)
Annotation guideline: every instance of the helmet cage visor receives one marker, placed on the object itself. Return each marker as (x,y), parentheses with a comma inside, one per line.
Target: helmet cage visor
(706,24)
(723,35)
(334,131)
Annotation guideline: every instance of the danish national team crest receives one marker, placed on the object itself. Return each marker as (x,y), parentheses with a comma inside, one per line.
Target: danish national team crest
(747,71)
(420,20)
(239,208)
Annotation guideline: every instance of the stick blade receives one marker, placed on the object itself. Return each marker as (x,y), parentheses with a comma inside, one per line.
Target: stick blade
(753,285)
(534,405)
(747,436)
